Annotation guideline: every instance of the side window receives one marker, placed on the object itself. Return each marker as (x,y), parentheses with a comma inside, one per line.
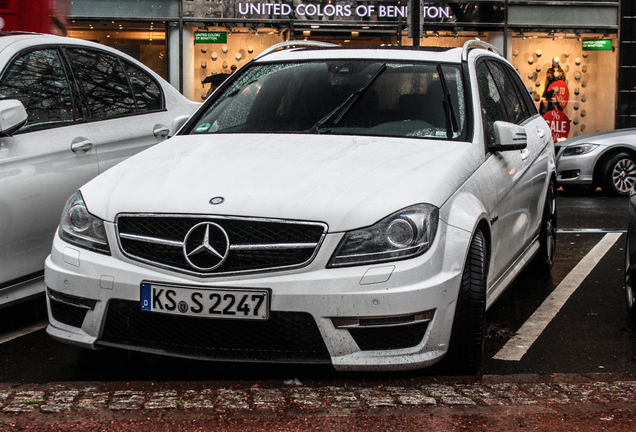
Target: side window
(492,107)
(103,82)
(515,107)
(146,90)
(525,95)
(37,79)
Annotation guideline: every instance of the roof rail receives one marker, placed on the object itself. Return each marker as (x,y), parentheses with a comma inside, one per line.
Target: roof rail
(473,43)
(292,44)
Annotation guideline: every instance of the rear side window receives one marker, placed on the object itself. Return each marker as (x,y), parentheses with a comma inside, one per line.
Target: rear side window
(37,79)
(103,82)
(146,90)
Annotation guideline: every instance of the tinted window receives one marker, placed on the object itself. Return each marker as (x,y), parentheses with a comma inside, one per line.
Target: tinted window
(515,107)
(492,107)
(38,80)
(348,97)
(526,97)
(103,82)
(146,90)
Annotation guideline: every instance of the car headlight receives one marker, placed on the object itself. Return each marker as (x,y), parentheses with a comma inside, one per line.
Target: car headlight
(578,149)
(81,228)
(405,234)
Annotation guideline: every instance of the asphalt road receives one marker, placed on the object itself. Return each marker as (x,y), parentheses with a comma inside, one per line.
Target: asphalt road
(590,333)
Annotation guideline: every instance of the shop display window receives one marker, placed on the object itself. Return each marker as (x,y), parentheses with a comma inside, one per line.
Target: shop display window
(574,88)
(144,41)
(222,50)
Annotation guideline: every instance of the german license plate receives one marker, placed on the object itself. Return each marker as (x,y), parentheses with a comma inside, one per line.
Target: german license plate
(226,303)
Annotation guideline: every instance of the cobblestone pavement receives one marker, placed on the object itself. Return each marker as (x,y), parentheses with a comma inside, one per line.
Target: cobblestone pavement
(65,402)
(550,391)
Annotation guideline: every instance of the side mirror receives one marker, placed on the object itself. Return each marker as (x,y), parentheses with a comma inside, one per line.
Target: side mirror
(177,123)
(12,116)
(508,136)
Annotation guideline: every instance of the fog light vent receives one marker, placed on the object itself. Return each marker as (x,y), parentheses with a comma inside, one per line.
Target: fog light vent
(386,333)
(570,174)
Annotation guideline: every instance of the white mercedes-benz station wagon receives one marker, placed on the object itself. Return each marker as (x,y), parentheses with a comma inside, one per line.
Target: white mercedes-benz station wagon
(355,207)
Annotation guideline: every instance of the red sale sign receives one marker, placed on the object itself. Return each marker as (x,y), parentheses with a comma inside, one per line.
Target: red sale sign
(559,124)
(560,92)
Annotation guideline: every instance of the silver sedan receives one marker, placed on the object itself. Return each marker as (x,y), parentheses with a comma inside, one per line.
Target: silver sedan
(605,159)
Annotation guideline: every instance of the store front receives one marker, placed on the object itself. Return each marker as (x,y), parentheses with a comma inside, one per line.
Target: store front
(564,50)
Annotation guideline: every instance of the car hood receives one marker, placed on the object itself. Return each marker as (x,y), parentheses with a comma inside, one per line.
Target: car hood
(345,181)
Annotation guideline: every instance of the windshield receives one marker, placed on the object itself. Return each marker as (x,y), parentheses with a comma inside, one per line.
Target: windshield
(347,97)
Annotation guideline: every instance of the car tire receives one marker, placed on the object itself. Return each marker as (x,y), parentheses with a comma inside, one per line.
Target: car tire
(544,259)
(630,296)
(618,174)
(467,335)
(578,190)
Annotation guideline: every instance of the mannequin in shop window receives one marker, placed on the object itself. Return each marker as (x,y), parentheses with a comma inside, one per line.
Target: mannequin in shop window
(549,101)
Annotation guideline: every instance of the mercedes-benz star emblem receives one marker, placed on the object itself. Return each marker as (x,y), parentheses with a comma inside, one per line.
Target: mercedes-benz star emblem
(206,246)
(217,200)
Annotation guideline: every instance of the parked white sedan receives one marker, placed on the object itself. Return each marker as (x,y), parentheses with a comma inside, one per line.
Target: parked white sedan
(69,110)
(356,207)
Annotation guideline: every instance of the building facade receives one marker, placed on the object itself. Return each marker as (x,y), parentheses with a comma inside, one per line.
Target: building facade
(567,52)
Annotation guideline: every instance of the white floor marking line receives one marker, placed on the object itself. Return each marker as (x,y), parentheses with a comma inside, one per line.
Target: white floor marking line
(23,331)
(517,347)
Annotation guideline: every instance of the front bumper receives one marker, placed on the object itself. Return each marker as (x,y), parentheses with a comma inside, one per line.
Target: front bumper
(96,284)
(577,170)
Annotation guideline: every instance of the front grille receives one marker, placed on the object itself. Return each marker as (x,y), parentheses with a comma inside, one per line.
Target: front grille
(389,338)
(252,244)
(290,337)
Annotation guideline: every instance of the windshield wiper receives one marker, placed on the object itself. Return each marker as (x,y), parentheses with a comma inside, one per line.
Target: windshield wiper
(451,121)
(342,109)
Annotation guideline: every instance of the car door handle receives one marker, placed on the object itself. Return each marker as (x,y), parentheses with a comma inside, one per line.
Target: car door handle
(161,131)
(541,133)
(81,146)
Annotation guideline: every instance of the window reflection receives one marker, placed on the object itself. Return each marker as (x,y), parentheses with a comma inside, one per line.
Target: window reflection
(38,81)
(146,90)
(103,82)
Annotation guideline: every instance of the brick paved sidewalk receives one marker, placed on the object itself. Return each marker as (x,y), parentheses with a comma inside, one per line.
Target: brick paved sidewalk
(64,402)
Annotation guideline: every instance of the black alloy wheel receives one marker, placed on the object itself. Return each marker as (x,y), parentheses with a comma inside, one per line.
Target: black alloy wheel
(544,260)
(467,336)
(629,290)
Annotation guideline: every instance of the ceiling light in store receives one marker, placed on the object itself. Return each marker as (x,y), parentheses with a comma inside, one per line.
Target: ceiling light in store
(347,40)
(425,34)
(306,33)
(366,28)
(229,31)
(523,36)
(455,35)
(315,26)
(355,34)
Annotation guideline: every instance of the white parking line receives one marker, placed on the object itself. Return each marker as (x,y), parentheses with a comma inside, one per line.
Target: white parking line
(23,331)
(517,347)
